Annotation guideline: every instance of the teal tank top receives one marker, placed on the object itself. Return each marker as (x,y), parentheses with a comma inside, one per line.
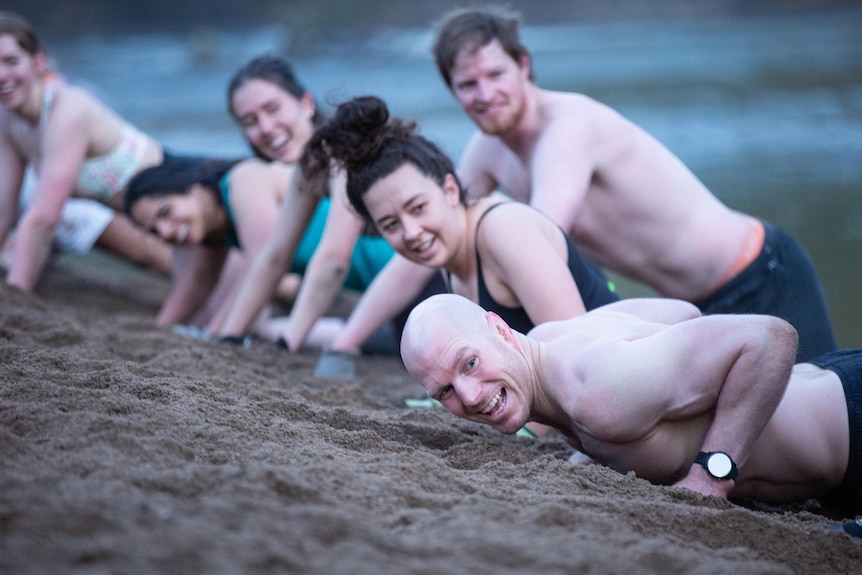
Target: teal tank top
(370,254)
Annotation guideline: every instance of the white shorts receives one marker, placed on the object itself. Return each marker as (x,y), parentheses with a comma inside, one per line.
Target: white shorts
(81,223)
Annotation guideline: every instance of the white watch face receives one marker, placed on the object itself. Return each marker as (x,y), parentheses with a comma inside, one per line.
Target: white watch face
(719,464)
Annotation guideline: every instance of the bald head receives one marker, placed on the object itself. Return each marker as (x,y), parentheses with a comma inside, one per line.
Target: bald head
(470,360)
(434,322)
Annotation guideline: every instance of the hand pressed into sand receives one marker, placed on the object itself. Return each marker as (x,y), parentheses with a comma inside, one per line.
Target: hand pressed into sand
(700,481)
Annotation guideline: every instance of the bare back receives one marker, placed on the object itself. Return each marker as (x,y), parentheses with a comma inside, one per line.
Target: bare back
(628,203)
(803,451)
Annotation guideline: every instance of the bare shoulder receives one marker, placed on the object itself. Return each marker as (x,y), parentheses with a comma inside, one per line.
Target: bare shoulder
(557,100)
(250,168)
(548,331)
(505,210)
(603,324)
(250,164)
(254,172)
(655,309)
(498,224)
(567,111)
(71,99)
(480,141)
(246,175)
(76,110)
(572,328)
(569,134)
(562,105)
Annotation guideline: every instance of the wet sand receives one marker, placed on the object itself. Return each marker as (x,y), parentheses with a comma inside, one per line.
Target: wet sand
(129,449)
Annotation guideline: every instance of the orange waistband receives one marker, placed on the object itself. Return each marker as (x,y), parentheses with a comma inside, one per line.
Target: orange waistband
(751,249)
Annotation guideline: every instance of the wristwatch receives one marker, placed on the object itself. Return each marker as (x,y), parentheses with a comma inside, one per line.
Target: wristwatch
(718,464)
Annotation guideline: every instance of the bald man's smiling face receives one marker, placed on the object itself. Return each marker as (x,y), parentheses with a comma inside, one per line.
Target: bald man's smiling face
(463,360)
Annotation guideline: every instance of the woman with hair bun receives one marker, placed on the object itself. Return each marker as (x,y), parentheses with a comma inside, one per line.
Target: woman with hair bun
(504,255)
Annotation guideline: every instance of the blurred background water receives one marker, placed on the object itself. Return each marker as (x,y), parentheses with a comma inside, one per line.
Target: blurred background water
(762,100)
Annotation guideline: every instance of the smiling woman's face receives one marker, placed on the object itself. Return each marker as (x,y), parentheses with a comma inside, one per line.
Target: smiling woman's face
(415,215)
(274,121)
(177,218)
(19,72)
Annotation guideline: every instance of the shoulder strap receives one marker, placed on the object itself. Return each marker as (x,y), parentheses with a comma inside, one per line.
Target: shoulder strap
(47,102)
(479,223)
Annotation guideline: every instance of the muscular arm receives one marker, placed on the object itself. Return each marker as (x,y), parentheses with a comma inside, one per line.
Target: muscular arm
(732,367)
(393,289)
(473,173)
(274,259)
(746,401)
(561,169)
(64,151)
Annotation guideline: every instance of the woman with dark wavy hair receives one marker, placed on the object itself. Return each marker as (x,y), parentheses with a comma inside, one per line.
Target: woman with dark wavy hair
(505,256)
(215,229)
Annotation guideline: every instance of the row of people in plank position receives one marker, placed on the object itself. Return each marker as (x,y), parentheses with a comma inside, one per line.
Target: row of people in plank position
(697,388)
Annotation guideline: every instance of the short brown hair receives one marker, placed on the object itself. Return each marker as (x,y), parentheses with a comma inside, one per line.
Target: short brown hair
(471,29)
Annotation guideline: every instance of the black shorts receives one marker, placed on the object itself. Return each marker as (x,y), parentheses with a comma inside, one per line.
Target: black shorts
(847,364)
(781,281)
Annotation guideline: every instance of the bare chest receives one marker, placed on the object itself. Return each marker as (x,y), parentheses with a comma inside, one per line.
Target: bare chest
(664,456)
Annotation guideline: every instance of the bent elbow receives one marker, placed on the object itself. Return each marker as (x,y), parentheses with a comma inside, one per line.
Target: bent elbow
(790,336)
(782,338)
(335,263)
(338,270)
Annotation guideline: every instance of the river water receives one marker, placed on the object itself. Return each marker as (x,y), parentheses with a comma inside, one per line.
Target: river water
(766,111)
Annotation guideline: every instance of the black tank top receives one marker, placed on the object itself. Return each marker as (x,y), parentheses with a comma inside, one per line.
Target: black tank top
(592,285)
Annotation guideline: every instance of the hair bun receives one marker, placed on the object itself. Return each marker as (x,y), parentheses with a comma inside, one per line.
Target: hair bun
(357,131)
